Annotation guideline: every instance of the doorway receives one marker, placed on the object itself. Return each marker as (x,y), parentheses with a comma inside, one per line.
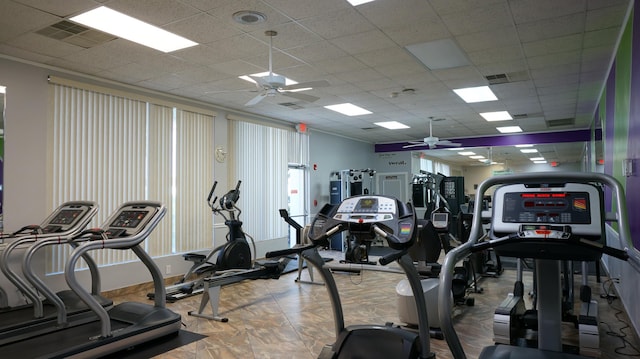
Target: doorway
(297,198)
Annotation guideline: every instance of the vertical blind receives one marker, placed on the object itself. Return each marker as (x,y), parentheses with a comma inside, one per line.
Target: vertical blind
(111,149)
(261,156)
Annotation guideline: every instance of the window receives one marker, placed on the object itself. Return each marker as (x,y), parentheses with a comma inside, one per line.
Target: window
(262,154)
(109,148)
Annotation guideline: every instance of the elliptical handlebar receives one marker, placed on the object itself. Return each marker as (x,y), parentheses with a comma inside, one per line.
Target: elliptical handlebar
(226,203)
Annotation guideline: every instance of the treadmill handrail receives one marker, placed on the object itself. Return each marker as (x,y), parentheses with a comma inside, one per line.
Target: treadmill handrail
(131,242)
(462,251)
(26,239)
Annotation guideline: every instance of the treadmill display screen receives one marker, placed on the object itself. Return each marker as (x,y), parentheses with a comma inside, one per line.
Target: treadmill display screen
(547,207)
(66,216)
(129,219)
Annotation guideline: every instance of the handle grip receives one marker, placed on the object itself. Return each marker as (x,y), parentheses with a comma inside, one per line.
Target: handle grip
(213,188)
(391,257)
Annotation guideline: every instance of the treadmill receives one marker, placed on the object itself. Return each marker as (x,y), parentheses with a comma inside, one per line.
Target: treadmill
(58,310)
(119,327)
(62,224)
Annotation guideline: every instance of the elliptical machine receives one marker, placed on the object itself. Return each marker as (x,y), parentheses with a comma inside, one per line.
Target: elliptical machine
(234,254)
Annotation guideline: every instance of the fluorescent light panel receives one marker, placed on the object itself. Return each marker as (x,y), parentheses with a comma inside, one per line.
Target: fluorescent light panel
(476,94)
(476,157)
(348,109)
(127,27)
(358,2)
(509,129)
(455,149)
(539,162)
(392,125)
(439,54)
(521,146)
(466,153)
(496,116)
(537,158)
(529,150)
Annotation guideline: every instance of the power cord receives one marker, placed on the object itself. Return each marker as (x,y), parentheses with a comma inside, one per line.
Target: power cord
(608,289)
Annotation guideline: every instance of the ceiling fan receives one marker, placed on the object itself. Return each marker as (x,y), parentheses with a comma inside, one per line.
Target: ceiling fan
(431,141)
(272,84)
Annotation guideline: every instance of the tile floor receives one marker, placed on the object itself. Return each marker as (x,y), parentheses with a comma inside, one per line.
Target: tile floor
(284,319)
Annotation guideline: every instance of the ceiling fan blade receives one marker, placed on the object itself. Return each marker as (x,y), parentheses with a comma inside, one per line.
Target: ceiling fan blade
(420,144)
(448,143)
(304,85)
(300,96)
(256,99)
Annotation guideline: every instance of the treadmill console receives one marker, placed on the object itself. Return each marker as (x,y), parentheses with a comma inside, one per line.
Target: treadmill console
(545,218)
(366,209)
(361,215)
(130,220)
(64,218)
(577,205)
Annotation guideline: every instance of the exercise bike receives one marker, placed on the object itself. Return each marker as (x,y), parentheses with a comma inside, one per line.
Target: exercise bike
(232,255)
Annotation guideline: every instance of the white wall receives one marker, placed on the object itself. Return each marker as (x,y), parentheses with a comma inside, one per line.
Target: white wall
(328,153)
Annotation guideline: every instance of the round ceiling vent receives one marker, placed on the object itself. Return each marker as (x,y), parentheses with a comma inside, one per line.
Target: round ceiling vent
(247,17)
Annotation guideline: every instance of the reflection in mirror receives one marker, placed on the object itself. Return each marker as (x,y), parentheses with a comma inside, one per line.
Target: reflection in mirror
(2,107)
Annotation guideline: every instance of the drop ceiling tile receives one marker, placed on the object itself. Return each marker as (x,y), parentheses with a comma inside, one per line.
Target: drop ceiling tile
(44,45)
(156,12)
(302,9)
(339,23)
(561,58)
(496,55)
(363,42)
(489,39)
(551,28)
(605,18)
(425,30)
(339,65)
(553,45)
(481,19)
(317,51)
(202,28)
(17,19)
(18,53)
(603,37)
(532,11)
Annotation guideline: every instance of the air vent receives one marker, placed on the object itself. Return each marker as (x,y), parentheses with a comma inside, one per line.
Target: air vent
(248,17)
(75,34)
(519,116)
(291,105)
(507,77)
(497,79)
(561,122)
(370,128)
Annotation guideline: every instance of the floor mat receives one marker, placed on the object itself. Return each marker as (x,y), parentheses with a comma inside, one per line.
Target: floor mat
(157,346)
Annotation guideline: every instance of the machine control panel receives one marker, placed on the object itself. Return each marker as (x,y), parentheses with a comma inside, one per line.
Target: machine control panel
(130,220)
(366,209)
(544,231)
(576,205)
(65,217)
